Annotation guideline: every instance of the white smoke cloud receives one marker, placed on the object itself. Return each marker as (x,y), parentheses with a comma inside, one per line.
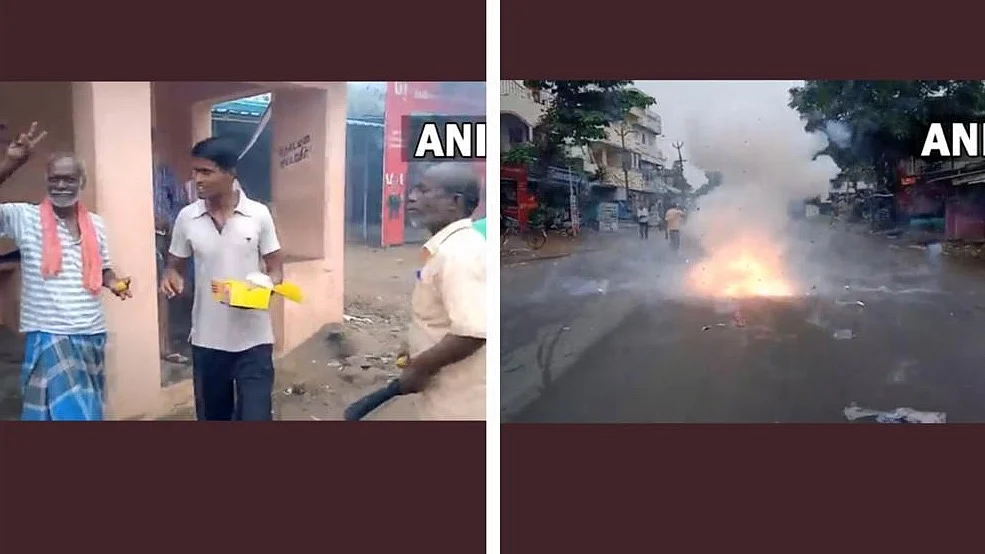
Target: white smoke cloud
(838,133)
(745,130)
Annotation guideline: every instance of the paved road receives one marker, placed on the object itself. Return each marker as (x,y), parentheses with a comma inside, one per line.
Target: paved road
(609,337)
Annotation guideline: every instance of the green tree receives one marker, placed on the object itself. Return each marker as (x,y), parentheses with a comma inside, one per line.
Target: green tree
(578,113)
(674,176)
(886,121)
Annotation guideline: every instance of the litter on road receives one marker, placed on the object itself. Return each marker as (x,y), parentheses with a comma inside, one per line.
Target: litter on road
(356,318)
(843,334)
(900,415)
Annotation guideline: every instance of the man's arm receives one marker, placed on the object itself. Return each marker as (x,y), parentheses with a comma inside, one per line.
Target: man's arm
(8,167)
(109,276)
(176,263)
(270,250)
(463,291)
(180,249)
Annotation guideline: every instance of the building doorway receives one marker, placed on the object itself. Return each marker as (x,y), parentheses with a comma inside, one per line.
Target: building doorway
(242,120)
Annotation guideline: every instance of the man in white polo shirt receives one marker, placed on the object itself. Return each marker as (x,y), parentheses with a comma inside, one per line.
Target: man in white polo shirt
(447,338)
(228,235)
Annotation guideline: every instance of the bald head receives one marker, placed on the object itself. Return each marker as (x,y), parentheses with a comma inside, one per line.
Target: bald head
(456,178)
(65,159)
(445,193)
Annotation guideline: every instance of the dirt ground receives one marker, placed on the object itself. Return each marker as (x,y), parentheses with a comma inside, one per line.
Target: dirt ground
(321,377)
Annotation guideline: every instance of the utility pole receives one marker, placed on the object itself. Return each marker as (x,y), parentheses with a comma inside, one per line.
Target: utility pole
(680,162)
(680,157)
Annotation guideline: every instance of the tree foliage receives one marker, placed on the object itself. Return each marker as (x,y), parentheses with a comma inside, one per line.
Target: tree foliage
(674,176)
(715,179)
(886,121)
(579,112)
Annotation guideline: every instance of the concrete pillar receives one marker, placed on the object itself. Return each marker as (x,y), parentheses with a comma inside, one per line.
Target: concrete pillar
(335,173)
(112,123)
(172,120)
(308,191)
(298,172)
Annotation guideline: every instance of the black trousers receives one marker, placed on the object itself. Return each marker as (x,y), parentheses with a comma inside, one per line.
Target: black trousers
(644,230)
(233,386)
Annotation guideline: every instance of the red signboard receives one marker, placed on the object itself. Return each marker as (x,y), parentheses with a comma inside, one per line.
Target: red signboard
(406,98)
(526,202)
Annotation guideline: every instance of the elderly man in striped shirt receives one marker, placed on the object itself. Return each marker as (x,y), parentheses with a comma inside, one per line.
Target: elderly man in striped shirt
(65,265)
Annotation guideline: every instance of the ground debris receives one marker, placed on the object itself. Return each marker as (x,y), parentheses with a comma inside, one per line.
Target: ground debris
(297,389)
(900,415)
(357,319)
(974,251)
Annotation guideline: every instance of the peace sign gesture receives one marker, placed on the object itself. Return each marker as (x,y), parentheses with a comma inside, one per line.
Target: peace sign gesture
(20,149)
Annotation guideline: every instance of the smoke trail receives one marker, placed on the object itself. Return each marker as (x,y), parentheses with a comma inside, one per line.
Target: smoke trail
(768,162)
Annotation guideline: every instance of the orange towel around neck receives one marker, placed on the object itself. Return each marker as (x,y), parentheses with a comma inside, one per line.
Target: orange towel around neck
(51,247)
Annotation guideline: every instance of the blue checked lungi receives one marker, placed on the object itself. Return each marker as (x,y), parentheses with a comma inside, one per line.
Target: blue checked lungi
(62,378)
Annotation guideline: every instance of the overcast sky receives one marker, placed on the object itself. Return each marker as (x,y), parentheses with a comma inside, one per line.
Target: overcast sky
(726,102)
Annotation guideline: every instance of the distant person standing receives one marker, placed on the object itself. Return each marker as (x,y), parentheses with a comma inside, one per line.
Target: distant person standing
(675,220)
(643,218)
(169,198)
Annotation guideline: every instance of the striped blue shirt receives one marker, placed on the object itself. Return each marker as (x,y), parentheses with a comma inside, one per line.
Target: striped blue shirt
(169,197)
(60,304)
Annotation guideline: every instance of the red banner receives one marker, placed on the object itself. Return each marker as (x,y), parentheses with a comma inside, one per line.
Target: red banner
(405,98)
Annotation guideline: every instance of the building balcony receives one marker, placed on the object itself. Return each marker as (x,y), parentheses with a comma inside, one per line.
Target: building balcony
(648,150)
(517,99)
(615,177)
(648,119)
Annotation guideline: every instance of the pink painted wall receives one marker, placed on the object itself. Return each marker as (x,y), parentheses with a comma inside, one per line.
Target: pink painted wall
(112,133)
(308,185)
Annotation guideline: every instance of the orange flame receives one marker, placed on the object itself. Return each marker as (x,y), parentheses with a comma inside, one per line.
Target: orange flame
(739,271)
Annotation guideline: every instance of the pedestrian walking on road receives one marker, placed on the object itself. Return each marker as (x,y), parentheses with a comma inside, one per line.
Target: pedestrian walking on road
(643,218)
(675,220)
(447,337)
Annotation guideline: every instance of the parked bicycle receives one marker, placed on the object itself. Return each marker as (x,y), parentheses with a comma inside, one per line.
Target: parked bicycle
(535,237)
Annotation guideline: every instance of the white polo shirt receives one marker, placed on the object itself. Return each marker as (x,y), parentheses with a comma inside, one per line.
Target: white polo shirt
(233,253)
(450,297)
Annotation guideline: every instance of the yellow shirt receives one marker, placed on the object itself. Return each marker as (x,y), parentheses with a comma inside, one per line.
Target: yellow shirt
(675,218)
(450,297)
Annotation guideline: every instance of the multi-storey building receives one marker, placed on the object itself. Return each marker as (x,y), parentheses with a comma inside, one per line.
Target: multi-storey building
(628,160)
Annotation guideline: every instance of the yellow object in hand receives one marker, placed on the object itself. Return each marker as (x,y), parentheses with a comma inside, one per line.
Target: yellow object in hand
(121,285)
(402,361)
